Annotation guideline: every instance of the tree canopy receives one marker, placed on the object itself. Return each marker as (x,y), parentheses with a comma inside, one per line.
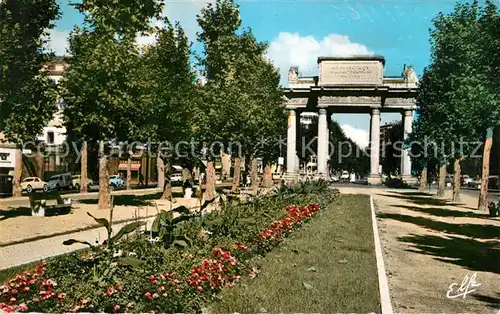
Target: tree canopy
(27,94)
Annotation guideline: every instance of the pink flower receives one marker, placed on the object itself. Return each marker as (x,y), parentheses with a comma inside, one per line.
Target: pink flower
(76,308)
(8,309)
(154,281)
(12,299)
(26,289)
(85,301)
(61,296)
(23,307)
(155,295)
(165,294)
(116,308)
(151,277)
(14,292)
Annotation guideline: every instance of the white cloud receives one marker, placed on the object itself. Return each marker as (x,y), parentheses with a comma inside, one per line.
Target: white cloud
(359,136)
(289,49)
(58,42)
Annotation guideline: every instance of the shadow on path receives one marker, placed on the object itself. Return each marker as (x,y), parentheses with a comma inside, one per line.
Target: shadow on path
(417,198)
(14,212)
(443,212)
(493,302)
(471,254)
(133,200)
(469,230)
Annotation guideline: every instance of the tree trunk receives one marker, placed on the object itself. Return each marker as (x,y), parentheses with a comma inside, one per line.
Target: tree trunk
(167,187)
(267,182)
(423,180)
(210,186)
(456,179)
(18,172)
(254,175)
(161,171)
(236,174)
(129,172)
(442,180)
(104,193)
(83,175)
(39,164)
(483,196)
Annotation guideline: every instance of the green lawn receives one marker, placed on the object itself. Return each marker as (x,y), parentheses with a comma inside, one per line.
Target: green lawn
(339,246)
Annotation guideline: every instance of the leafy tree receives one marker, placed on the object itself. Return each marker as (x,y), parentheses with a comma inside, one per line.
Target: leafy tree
(456,101)
(172,96)
(242,101)
(104,86)
(27,94)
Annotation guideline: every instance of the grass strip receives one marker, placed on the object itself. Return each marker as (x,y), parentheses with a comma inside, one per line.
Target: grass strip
(328,266)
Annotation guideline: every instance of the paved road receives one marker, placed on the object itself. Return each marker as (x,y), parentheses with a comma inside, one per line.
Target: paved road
(23,201)
(493,196)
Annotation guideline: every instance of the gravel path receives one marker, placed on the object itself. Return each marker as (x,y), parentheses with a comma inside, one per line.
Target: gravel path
(428,245)
(27,226)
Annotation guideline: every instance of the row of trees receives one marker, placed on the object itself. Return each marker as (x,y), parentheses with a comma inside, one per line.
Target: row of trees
(116,90)
(459,95)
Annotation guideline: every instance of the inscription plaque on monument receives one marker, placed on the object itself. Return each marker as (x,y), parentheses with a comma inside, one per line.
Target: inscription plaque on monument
(350,72)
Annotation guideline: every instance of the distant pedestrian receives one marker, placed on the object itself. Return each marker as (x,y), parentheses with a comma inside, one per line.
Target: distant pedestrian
(141,179)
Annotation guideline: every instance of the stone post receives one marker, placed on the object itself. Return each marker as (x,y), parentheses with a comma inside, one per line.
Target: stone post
(291,139)
(405,158)
(322,142)
(374,178)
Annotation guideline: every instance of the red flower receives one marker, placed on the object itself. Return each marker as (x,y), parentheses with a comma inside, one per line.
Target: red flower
(147,294)
(8,309)
(109,291)
(14,292)
(116,308)
(152,277)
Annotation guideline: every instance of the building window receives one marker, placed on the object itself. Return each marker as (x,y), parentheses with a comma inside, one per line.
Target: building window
(50,137)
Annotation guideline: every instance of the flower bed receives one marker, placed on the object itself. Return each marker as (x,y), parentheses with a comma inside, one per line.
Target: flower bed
(177,279)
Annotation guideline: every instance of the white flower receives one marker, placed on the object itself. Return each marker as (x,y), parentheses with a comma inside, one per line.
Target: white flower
(118,254)
(132,254)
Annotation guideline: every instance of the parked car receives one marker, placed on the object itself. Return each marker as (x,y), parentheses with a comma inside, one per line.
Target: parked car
(31,184)
(176,178)
(60,182)
(344,176)
(116,181)
(76,181)
(466,179)
(494,183)
(476,184)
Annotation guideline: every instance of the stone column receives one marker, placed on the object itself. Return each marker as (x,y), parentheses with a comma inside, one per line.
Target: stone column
(322,142)
(374,147)
(405,157)
(291,139)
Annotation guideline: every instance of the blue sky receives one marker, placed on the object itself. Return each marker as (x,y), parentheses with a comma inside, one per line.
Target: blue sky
(300,31)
